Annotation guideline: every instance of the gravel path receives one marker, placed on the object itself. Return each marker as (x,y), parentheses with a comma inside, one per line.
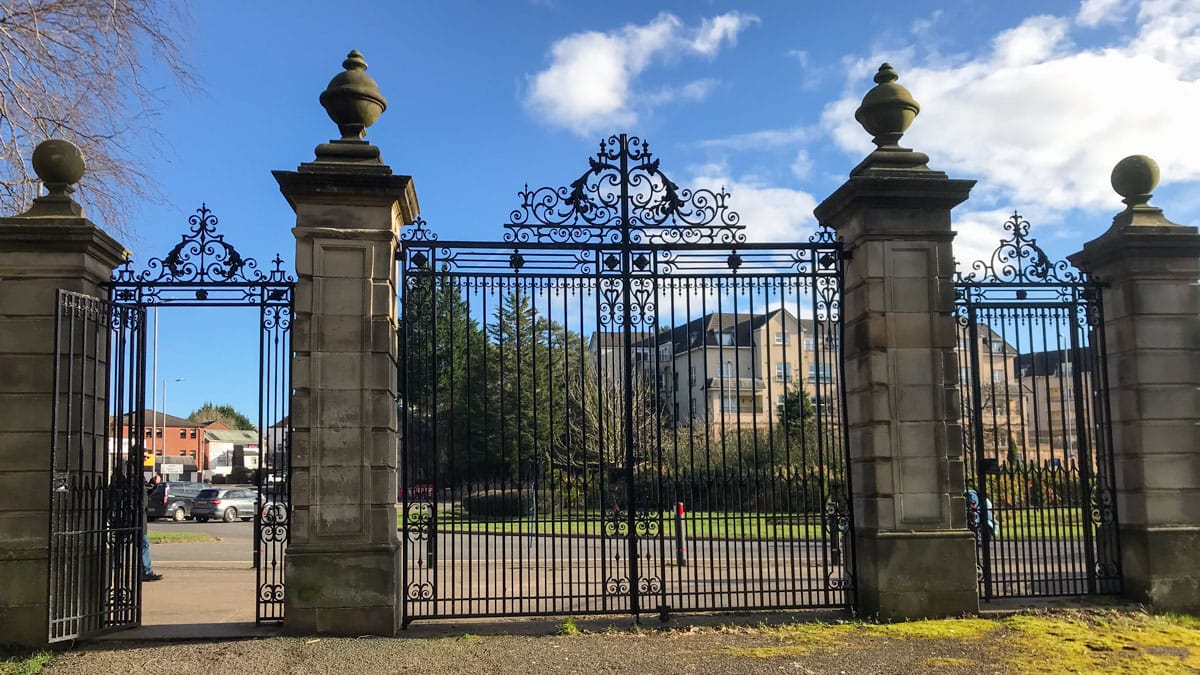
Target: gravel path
(676,651)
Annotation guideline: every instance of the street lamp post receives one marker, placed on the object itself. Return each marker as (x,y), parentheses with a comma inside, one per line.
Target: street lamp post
(161,458)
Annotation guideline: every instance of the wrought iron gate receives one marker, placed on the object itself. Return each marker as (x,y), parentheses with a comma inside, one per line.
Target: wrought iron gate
(96,510)
(623,407)
(1036,429)
(203,270)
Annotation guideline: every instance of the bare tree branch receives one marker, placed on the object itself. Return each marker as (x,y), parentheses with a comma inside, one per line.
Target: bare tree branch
(75,69)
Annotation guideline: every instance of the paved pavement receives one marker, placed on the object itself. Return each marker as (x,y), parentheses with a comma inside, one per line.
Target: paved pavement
(203,583)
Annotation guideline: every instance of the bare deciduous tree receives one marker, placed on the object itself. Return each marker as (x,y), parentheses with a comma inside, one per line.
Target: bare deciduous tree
(79,70)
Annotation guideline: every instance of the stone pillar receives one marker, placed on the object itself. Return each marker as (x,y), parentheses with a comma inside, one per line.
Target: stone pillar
(1152,330)
(915,557)
(342,560)
(50,247)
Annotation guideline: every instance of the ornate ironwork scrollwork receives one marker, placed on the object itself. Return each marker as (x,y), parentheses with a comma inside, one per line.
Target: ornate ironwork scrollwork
(1020,260)
(202,267)
(623,197)
(418,521)
(421,591)
(616,586)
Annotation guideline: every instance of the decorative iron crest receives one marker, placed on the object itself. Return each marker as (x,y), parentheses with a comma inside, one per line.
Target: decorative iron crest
(202,267)
(202,256)
(1020,260)
(623,198)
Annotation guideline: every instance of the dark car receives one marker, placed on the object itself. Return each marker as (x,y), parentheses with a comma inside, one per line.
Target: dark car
(172,499)
(227,503)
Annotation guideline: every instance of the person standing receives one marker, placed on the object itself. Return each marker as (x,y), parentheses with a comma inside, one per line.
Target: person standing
(148,573)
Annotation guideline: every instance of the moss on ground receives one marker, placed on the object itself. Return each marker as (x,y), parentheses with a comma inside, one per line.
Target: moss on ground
(22,662)
(935,629)
(1102,642)
(1056,641)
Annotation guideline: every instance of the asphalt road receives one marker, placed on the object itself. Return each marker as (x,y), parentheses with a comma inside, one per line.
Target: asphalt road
(236,543)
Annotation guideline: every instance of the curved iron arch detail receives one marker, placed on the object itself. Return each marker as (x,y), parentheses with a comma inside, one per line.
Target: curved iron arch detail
(202,268)
(624,198)
(1019,259)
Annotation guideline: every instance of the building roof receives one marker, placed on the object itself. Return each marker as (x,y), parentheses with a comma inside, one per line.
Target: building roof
(1049,363)
(231,435)
(699,331)
(159,418)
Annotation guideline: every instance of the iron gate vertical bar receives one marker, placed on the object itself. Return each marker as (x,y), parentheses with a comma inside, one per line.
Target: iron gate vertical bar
(849,556)
(1083,447)
(1102,436)
(627,375)
(977,434)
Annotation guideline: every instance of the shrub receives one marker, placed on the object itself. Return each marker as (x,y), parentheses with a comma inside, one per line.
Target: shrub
(510,503)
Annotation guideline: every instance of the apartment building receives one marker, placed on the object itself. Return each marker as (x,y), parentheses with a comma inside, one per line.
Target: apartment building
(733,368)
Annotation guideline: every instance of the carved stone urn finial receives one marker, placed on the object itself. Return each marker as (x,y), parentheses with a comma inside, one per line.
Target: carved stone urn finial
(888,109)
(352,99)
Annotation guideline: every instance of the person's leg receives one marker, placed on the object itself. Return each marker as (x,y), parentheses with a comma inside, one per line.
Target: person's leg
(148,573)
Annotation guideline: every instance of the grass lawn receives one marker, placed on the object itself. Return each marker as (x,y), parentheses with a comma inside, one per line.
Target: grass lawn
(16,661)
(1016,524)
(699,524)
(180,537)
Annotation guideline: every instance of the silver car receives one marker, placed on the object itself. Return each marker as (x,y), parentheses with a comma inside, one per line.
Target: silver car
(228,504)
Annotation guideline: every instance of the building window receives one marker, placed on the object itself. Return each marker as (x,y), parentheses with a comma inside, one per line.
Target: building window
(729,404)
(725,339)
(692,377)
(808,343)
(782,338)
(183,433)
(727,369)
(780,400)
(193,434)
(823,373)
(183,453)
(149,432)
(783,371)
(158,432)
(998,375)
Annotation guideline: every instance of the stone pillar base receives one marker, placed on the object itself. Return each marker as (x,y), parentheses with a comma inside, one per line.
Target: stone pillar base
(342,591)
(1159,566)
(916,575)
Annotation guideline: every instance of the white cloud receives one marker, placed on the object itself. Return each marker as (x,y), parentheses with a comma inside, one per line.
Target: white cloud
(1095,12)
(766,139)
(1044,121)
(592,80)
(802,165)
(768,213)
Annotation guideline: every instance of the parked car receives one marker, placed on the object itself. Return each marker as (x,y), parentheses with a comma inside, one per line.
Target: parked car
(227,503)
(172,499)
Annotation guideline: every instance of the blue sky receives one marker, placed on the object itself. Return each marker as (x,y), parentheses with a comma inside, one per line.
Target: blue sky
(1035,100)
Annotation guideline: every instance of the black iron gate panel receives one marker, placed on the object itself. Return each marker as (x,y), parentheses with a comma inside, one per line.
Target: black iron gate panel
(204,270)
(622,408)
(1036,432)
(96,497)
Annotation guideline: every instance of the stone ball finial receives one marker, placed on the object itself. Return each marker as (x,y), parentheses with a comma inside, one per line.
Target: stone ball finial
(59,164)
(888,109)
(352,99)
(1134,178)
